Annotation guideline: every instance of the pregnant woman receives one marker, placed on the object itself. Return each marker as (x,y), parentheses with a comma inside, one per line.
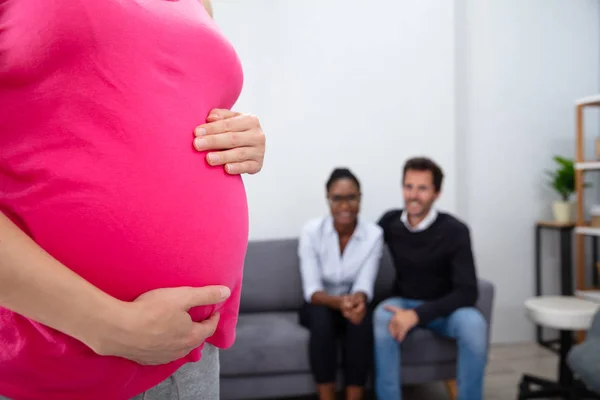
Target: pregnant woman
(339,260)
(123,216)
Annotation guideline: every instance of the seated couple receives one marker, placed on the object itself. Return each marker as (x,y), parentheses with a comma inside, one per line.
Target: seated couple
(435,286)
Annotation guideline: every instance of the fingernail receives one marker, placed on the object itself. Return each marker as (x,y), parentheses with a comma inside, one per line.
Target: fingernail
(199,143)
(213,158)
(200,131)
(225,293)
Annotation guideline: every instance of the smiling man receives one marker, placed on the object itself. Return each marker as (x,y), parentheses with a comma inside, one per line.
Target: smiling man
(435,286)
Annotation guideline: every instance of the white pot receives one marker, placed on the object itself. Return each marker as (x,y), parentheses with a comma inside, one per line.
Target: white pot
(563,211)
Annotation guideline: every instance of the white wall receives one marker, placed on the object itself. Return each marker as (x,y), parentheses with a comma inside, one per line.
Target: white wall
(359,84)
(525,63)
(484,87)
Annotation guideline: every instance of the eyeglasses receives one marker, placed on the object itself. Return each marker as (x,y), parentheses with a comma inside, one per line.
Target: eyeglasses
(338,199)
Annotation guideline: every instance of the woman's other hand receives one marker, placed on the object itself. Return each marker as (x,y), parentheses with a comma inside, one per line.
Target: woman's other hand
(238,139)
(156,328)
(354,307)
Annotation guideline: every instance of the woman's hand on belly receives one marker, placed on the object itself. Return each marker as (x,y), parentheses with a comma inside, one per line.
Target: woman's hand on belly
(239,135)
(156,328)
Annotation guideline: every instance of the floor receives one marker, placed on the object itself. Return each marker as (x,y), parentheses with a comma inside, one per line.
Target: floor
(507,364)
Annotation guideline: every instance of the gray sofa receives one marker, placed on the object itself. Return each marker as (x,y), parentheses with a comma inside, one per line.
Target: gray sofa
(270,356)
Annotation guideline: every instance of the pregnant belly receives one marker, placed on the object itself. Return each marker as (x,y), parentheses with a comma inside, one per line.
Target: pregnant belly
(148,227)
(127,229)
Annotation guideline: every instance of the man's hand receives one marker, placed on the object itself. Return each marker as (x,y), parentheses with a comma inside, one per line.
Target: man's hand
(354,307)
(402,322)
(156,328)
(238,135)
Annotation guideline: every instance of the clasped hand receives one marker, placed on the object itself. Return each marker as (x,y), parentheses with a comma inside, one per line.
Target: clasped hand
(402,322)
(353,307)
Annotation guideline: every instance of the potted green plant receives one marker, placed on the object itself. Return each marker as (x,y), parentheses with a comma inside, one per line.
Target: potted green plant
(562,180)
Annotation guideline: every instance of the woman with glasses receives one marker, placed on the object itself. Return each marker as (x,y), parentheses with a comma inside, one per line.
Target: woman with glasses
(339,259)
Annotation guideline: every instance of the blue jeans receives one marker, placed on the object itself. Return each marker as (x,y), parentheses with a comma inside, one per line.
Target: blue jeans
(466,325)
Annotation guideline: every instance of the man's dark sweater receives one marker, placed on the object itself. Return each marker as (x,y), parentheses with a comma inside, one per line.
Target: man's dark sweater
(435,265)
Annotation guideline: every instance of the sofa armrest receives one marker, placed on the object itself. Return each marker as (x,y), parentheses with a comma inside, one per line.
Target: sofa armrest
(584,361)
(595,327)
(485,301)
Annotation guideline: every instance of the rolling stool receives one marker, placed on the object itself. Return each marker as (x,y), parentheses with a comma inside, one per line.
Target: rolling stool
(567,314)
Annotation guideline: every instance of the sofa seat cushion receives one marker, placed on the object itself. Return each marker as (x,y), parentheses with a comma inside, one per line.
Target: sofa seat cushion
(422,346)
(267,343)
(275,343)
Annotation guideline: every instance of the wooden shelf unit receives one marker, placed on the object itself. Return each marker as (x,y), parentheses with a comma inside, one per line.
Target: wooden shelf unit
(587,165)
(582,228)
(587,230)
(590,294)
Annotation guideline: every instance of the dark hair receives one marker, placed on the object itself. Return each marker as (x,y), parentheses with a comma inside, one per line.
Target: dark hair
(341,173)
(425,164)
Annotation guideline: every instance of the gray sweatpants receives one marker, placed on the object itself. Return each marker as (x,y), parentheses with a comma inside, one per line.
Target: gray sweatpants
(193,381)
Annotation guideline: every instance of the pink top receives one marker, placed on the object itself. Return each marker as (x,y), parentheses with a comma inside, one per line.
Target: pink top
(99,100)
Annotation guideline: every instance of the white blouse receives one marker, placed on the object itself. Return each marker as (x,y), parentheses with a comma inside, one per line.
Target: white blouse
(323,268)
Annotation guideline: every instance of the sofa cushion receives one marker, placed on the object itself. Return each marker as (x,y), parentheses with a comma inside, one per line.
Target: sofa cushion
(272,277)
(422,346)
(275,343)
(267,343)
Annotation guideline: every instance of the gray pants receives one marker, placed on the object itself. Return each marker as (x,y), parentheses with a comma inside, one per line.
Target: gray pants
(193,381)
